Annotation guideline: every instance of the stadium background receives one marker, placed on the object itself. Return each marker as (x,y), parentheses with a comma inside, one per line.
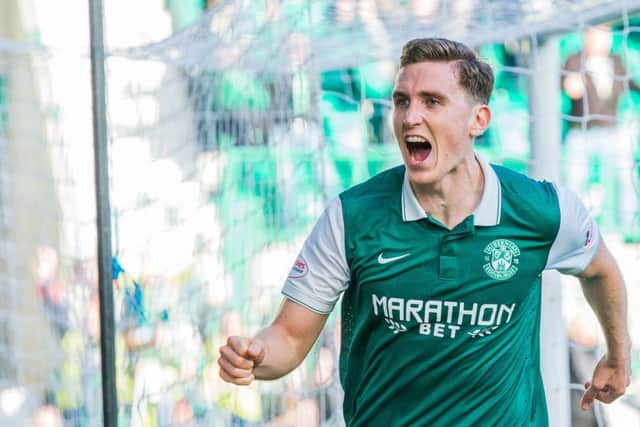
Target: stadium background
(230,125)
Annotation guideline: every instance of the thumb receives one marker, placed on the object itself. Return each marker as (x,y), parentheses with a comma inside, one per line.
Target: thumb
(255,351)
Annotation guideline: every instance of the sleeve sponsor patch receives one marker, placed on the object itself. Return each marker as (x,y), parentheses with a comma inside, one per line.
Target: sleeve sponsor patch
(300,268)
(589,237)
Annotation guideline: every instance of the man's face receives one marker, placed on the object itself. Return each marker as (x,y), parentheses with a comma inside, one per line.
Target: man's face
(434,120)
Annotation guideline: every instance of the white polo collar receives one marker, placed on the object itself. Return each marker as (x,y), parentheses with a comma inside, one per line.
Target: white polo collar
(486,214)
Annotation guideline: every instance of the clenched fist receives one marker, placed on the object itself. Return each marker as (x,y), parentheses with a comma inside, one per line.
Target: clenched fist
(238,358)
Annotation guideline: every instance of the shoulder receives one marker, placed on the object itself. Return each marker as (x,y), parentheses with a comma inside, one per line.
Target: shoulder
(384,184)
(373,201)
(529,200)
(530,190)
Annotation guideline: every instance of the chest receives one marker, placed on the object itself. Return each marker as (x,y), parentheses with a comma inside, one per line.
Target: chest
(417,260)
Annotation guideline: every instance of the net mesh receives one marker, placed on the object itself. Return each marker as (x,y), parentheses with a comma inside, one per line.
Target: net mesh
(49,355)
(226,141)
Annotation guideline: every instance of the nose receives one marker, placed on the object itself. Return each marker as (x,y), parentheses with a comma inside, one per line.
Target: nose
(412,117)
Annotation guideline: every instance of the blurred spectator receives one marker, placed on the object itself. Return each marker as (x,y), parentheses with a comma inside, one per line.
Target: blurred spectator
(182,413)
(50,288)
(47,416)
(596,79)
(595,82)
(65,302)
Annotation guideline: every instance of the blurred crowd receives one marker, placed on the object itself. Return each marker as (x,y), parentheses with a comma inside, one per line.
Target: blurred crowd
(166,351)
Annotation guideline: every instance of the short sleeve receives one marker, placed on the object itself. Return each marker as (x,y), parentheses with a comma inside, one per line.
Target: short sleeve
(578,237)
(321,273)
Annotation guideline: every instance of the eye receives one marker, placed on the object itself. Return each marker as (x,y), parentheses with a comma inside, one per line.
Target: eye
(431,101)
(401,102)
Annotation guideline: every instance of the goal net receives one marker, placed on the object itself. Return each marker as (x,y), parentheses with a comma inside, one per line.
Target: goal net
(226,141)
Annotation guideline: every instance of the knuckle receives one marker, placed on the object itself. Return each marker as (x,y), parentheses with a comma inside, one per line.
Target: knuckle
(226,365)
(232,370)
(224,375)
(619,390)
(238,373)
(226,353)
(231,356)
(239,361)
(223,351)
(223,366)
(238,343)
(234,380)
(232,341)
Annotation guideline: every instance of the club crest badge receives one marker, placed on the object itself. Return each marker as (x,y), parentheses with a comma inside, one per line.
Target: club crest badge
(501,258)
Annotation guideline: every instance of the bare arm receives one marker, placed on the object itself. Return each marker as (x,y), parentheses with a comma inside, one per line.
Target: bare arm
(604,289)
(276,350)
(288,340)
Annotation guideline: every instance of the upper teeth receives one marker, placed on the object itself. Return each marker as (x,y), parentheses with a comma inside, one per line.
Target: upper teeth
(415,139)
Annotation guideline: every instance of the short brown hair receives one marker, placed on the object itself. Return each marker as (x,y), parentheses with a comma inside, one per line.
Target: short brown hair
(474,75)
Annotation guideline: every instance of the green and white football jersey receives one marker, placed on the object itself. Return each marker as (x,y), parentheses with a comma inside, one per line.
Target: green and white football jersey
(441,327)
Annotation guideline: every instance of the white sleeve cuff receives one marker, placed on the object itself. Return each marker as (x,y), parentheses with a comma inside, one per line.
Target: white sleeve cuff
(320,272)
(578,237)
(295,294)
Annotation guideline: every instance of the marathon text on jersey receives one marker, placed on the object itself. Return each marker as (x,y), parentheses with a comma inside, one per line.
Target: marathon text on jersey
(441,318)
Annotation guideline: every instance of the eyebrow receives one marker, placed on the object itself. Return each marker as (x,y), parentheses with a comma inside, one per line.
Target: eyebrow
(422,94)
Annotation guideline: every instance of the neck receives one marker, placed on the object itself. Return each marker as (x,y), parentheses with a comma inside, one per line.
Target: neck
(456,196)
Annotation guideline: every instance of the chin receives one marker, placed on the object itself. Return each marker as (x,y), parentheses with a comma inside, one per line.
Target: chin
(422,177)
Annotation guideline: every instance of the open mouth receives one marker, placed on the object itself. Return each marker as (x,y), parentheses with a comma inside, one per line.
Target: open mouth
(419,148)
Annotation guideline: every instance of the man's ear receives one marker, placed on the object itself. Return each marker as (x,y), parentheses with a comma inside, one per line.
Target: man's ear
(481,116)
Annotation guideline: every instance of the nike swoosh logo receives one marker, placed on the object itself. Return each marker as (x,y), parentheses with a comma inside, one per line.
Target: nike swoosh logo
(383,260)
